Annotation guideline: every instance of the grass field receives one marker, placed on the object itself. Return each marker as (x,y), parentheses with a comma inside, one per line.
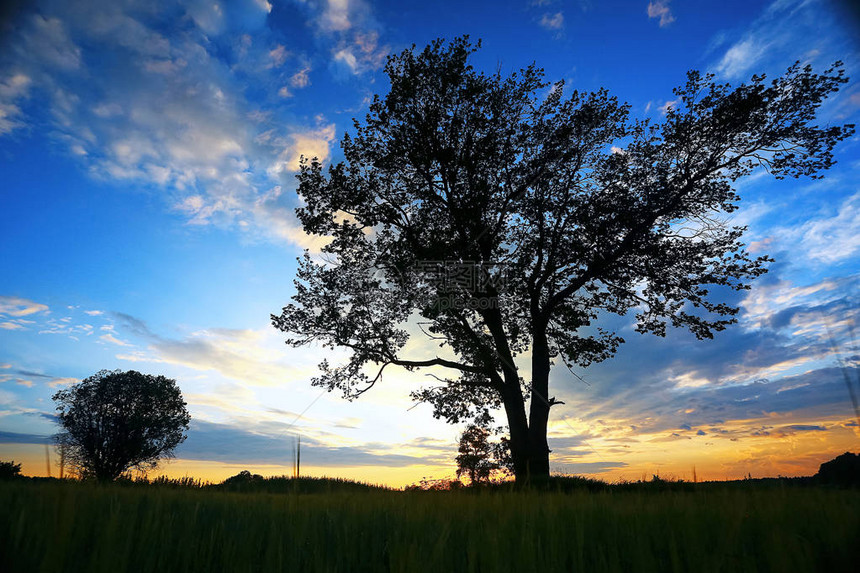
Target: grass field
(55,526)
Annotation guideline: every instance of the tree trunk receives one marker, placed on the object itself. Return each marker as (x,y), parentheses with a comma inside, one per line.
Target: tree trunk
(528,443)
(512,398)
(538,458)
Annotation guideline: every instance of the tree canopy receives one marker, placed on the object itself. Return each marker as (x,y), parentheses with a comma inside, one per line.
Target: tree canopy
(479,458)
(114,421)
(504,215)
(9,470)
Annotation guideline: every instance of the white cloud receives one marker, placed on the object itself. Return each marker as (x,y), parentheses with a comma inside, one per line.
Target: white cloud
(12,89)
(17,306)
(552,21)
(9,117)
(345,56)
(10,326)
(825,238)
(42,49)
(741,57)
(47,40)
(282,223)
(372,54)
(786,31)
(336,16)
(108,23)
(301,79)
(66,381)
(310,144)
(113,340)
(164,67)
(178,121)
(831,239)
(253,357)
(660,9)
(362,54)
(664,109)
(689,380)
(765,301)
(208,15)
(278,55)
(220,16)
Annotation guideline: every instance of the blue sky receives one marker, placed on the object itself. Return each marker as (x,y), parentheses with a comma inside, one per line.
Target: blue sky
(148,153)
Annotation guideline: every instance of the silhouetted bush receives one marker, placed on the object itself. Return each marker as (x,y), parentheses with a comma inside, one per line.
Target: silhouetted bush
(9,470)
(243,477)
(185,482)
(246,482)
(567,484)
(428,484)
(842,470)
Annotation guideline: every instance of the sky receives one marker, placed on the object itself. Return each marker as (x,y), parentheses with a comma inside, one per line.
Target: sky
(148,152)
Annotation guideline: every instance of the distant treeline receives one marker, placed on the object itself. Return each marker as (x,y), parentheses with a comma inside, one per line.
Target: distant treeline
(245,482)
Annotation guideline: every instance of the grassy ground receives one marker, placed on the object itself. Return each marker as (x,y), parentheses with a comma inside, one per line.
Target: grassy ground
(51,526)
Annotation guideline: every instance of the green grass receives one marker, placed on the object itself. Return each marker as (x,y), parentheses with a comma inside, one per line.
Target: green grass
(53,526)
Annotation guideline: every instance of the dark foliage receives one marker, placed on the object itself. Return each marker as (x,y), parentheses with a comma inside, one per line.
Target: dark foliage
(479,458)
(842,470)
(116,421)
(9,470)
(247,482)
(438,485)
(506,218)
(244,477)
(185,482)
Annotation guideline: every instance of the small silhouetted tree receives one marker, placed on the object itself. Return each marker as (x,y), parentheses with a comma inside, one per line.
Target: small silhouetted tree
(479,458)
(9,470)
(507,216)
(116,421)
(243,479)
(502,456)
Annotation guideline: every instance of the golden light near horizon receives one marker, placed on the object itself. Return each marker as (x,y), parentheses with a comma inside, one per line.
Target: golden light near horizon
(671,457)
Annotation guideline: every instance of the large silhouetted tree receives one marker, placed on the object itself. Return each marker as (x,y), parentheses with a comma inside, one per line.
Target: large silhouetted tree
(116,421)
(502,215)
